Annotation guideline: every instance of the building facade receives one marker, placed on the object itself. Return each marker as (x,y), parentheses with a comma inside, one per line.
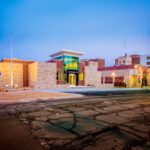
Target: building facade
(128,60)
(145,60)
(65,69)
(123,76)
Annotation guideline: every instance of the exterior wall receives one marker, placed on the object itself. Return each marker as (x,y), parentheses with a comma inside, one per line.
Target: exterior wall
(92,76)
(145,60)
(42,75)
(135,59)
(148,76)
(101,62)
(108,73)
(25,68)
(33,74)
(106,86)
(17,70)
(82,68)
(132,77)
(125,60)
(46,75)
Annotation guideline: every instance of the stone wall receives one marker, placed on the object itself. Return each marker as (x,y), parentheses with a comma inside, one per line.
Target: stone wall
(92,76)
(42,75)
(46,75)
(5,79)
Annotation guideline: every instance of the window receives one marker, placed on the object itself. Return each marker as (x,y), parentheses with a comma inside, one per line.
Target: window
(81,77)
(59,76)
(71,63)
(108,80)
(102,80)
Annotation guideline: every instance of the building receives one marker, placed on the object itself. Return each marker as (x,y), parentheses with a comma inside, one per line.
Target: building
(68,66)
(135,59)
(65,69)
(123,60)
(145,60)
(123,76)
(148,77)
(128,60)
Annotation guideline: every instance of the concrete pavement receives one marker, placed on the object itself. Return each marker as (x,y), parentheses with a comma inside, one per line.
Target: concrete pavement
(111,122)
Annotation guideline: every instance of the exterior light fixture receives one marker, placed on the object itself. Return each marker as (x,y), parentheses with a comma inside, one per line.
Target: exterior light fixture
(135,67)
(16,85)
(6,85)
(113,74)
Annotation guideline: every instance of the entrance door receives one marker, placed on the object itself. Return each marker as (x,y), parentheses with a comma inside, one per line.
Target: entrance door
(72,79)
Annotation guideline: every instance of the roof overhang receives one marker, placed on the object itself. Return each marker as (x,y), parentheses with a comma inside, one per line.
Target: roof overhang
(67,52)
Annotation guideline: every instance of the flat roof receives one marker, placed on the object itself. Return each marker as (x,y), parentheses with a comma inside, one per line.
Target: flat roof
(67,52)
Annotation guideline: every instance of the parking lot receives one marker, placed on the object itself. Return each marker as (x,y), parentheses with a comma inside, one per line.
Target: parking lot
(108,121)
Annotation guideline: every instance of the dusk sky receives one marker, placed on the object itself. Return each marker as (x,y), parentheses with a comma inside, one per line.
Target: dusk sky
(97,27)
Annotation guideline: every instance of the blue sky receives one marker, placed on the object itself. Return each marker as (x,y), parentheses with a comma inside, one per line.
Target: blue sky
(96,27)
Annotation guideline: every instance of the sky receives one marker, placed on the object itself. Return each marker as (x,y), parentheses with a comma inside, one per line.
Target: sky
(99,28)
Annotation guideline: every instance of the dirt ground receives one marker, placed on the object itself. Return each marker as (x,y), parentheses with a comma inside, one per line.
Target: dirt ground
(19,95)
(16,136)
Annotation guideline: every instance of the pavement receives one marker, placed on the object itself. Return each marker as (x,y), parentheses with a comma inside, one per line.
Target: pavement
(102,122)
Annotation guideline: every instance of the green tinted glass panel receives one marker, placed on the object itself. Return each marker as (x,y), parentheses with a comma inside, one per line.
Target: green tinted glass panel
(71,63)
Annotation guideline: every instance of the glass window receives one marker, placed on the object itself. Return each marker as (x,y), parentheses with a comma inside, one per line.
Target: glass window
(81,77)
(71,63)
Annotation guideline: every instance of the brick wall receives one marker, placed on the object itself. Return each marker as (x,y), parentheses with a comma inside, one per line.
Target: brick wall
(6,74)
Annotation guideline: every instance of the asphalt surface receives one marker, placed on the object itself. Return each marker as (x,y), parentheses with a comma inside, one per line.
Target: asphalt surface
(99,121)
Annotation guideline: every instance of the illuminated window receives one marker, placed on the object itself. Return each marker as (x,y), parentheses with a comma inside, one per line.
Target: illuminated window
(81,77)
(59,76)
(71,63)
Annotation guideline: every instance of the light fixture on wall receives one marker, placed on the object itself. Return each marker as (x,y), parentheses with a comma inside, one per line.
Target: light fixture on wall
(113,74)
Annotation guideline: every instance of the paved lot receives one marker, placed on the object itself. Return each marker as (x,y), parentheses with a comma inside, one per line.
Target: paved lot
(112,122)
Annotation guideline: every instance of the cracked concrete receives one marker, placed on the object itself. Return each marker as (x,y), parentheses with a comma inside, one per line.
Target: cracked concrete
(121,122)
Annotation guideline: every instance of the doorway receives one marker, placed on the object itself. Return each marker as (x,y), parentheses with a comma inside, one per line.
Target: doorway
(72,79)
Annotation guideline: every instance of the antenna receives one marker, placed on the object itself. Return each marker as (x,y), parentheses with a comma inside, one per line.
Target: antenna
(124,45)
